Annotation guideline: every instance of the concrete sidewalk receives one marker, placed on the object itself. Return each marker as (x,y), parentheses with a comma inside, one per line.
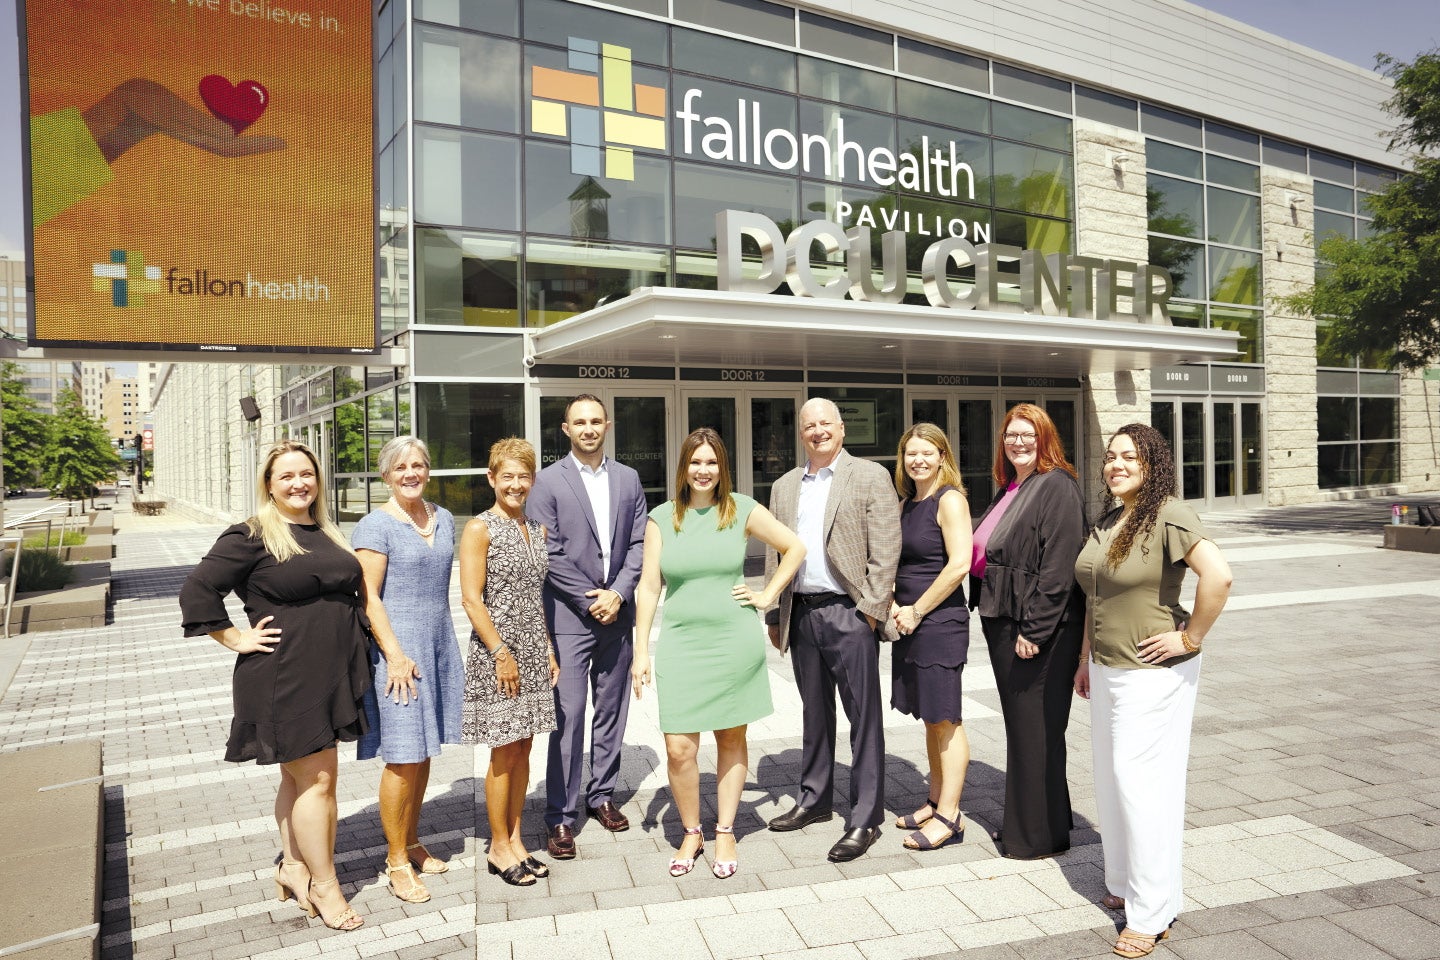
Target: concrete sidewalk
(1312,816)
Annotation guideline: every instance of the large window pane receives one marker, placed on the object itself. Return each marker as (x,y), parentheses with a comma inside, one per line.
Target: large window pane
(1173,159)
(937,105)
(468,280)
(1379,418)
(1234,218)
(1186,263)
(467,80)
(755,18)
(1232,173)
(1032,126)
(868,130)
(1329,225)
(848,41)
(1106,107)
(349,438)
(1331,167)
(563,279)
(563,203)
(1335,418)
(468,179)
(1335,198)
(1013,83)
(1232,140)
(1379,463)
(707,54)
(492,16)
(944,66)
(1234,276)
(969,148)
(1336,466)
(1032,233)
(1032,180)
(720,142)
(555,22)
(459,421)
(701,192)
(1249,325)
(1175,206)
(379,424)
(828,80)
(1159,122)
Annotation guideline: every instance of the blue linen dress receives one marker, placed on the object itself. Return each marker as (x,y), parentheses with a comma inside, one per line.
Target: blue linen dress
(416,594)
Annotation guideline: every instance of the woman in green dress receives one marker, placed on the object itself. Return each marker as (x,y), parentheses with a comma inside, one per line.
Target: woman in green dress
(711,659)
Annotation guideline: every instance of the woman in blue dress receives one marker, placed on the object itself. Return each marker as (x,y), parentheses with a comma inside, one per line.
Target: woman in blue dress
(405,547)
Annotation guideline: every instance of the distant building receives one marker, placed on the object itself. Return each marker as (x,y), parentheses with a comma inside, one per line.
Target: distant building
(44,379)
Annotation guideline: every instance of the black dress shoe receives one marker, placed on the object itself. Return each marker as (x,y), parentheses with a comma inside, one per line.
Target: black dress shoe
(853,844)
(798,817)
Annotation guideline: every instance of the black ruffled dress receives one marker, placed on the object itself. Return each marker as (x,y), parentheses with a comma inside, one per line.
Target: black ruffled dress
(307,693)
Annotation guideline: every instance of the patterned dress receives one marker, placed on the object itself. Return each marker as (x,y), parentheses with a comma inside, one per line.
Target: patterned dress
(514,574)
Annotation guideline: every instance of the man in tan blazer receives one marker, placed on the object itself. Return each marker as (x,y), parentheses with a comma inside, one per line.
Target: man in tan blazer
(847,514)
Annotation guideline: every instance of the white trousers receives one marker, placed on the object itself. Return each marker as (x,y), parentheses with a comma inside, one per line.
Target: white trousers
(1140,733)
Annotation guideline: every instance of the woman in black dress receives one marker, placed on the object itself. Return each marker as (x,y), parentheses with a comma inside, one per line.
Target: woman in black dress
(934,624)
(1033,614)
(302,669)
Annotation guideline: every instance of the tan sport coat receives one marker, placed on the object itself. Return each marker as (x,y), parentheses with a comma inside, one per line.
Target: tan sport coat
(862,536)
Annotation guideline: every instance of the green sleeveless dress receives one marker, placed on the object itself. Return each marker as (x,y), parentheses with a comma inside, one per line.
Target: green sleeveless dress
(710,659)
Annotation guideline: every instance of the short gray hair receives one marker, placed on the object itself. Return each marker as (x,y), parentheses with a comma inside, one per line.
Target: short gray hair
(396,448)
(828,407)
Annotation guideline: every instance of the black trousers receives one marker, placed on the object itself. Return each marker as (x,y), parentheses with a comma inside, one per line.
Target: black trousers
(1035,696)
(832,648)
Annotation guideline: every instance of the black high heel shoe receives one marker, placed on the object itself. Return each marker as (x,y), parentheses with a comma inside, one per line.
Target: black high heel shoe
(516,876)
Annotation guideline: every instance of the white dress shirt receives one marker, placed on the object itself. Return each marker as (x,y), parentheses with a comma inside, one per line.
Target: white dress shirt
(815,575)
(597,487)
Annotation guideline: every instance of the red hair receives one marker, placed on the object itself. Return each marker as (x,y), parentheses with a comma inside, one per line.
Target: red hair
(1049,451)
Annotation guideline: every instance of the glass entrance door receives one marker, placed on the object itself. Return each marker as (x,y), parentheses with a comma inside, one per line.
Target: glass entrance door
(637,437)
(969,423)
(1217,446)
(759,428)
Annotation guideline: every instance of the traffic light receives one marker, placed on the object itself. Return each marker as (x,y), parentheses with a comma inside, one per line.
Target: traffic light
(139,440)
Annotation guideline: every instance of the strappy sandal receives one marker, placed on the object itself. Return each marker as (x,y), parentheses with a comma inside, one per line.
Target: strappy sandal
(918,840)
(284,891)
(724,869)
(912,822)
(348,919)
(427,864)
(1133,945)
(534,867)
(415,893)
(516,875)
(1112,902)
(679,866)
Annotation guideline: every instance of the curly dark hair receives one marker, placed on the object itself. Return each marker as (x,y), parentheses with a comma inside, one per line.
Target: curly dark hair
(1157,484)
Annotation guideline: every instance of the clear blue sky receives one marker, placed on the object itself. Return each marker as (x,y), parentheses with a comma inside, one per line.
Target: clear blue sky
(1342,28)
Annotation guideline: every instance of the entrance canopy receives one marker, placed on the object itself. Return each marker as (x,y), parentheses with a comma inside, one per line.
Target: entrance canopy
(661,326)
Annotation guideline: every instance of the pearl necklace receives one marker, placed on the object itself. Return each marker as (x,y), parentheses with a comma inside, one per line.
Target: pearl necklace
(429,527)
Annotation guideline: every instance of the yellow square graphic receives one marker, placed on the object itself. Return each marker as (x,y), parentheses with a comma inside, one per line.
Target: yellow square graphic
(548,118)
(634,131)
(619,163)
(619,89)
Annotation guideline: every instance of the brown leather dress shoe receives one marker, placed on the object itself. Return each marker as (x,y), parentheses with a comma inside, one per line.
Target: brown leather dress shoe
(610,817)
(561,843)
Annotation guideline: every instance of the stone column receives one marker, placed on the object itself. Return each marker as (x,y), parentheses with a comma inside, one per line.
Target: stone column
(1287,214)
(1110,221)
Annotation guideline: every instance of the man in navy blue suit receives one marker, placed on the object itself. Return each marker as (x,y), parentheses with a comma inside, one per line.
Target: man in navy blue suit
(594,512)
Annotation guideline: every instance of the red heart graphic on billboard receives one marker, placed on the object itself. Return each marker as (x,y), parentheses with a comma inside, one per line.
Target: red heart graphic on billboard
(238,104)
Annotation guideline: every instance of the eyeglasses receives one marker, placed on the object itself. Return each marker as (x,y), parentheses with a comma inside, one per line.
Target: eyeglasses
(1019,438)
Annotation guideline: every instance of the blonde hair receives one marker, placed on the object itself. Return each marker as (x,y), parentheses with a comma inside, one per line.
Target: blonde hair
(512,448)
(949,473)
(704,436)
(270,526)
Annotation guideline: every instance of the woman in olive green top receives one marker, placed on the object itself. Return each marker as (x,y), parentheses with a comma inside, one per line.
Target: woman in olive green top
(1140,668)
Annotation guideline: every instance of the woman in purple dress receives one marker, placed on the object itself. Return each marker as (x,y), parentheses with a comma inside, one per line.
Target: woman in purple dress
(933,621)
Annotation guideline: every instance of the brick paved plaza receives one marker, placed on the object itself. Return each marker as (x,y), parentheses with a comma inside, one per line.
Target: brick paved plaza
(1313,817)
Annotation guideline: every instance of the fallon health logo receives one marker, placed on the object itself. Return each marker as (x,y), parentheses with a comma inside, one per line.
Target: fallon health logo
(126,278)
(598,106)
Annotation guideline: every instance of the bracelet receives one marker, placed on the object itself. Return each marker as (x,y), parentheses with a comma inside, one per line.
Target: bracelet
(918,615)
(499,648)
(1190,647)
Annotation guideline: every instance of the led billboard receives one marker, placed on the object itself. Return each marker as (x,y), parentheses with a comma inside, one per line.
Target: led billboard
(201,174)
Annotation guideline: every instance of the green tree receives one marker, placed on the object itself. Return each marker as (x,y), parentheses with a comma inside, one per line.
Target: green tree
(79,453)
(24,432)
(1381,292)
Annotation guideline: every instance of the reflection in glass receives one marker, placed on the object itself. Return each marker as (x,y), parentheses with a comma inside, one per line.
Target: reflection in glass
(848,41)
(1336,418)
(1159,122)
(1232,140)
(467,179)
(379,423)
(701,192)
(469,280)
(1329,225)
(1031,126)
(870,129)
(1032,233)
(1223,471)
(943,66)
(1232,173)
(1379,418)
(1169,158)
(772,442)
(1013,83)
(464,79)
(553,442)
(640,443)
(755,18)
(969,148)
(975,452)
(492,16)
(954,109)
(1252,456)
(1185,261)
(1192,451)
(1248,323)
(561,203)
(1234,276)
(1333,197)
(555,22)
(709,55)
(1234,218)
(1174,206)
(827,80)
(563,279)
(1336,465)
(1032,180)
(460,421)
(1379,463)
(349,438)
(1162,418)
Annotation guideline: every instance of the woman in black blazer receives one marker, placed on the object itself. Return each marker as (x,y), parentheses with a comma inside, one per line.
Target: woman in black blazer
(1032,611)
